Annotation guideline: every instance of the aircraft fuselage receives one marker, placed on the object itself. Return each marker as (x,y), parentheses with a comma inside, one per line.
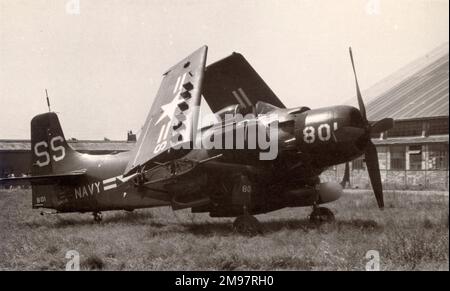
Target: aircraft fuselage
(306,146)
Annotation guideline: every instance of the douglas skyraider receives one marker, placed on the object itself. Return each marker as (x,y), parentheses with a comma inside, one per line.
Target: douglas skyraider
(168,168)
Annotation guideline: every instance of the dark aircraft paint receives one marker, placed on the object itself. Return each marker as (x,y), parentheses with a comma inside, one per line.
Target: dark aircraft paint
(222,182)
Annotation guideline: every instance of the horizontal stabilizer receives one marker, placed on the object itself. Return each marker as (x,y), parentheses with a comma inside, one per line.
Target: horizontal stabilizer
(44,179)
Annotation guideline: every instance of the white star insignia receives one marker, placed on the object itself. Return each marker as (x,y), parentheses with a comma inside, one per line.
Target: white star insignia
(170,108)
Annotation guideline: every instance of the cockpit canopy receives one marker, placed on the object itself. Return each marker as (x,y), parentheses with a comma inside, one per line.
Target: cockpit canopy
(230,112)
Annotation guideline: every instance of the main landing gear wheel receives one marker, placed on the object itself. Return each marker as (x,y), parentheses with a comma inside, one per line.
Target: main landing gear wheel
(97,216)
(321,214)
(247,224)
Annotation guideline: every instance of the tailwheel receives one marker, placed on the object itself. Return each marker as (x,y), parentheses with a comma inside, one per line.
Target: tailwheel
(321,214)
(247,224)
(97,216)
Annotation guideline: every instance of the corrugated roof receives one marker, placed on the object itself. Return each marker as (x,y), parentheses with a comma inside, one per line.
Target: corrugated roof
(411,140)
(418,90)
(86,145)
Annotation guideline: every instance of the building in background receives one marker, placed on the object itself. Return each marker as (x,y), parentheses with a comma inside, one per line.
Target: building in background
(413,154)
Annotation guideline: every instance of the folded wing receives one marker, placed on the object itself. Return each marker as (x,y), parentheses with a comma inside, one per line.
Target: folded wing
(232,80)
(171,124)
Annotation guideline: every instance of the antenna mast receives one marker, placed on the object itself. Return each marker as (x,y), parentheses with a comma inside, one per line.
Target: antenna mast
(48,101)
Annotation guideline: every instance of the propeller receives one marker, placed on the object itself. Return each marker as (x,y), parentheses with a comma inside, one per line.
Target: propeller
(370,153)
(381,125)
(362,108)
(374,173)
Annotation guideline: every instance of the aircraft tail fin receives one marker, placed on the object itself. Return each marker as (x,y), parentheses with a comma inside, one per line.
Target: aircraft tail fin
(49,149)
(53,161)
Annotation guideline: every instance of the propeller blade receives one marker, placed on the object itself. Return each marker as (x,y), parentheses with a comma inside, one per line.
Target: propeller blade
(348,133)
(382,125)
(362,108)
(371,154)
(374,173)
(346,177)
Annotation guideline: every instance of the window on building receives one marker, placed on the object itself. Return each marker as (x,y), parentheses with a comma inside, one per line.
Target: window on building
(415,157)
(358,164)
(406,128)
(398,160)
(437,157)
(438,126)
(382,152)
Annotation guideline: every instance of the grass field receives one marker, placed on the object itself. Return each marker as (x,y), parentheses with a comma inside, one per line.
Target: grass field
(412,233)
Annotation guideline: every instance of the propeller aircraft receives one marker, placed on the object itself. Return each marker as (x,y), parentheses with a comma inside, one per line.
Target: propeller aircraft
(173,163)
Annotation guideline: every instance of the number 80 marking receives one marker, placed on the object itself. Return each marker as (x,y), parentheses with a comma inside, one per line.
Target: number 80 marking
(323,133)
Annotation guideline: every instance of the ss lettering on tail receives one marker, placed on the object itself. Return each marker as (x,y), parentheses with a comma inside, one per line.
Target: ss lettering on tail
(41,150)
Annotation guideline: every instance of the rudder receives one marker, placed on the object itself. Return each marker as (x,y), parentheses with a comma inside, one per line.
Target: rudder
(50,155)
(49,148)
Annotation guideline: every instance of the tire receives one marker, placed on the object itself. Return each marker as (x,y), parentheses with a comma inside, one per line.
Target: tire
(247,225)
(321,214)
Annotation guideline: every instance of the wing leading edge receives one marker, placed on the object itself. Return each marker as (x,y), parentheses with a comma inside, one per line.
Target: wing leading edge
(172,120)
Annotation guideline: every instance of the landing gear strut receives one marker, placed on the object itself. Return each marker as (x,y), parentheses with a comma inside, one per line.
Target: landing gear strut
(97,216)
(247,224)
(321,214)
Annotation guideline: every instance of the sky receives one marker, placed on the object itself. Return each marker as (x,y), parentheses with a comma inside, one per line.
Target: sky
(102,61)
